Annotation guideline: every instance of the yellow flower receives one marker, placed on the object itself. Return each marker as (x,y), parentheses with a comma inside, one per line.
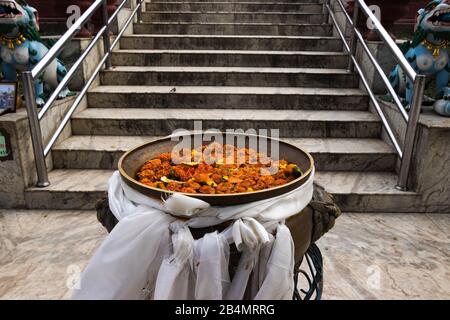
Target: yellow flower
(211,183)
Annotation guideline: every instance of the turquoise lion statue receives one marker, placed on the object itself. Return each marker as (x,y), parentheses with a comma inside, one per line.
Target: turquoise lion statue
(22,48)
(428,54)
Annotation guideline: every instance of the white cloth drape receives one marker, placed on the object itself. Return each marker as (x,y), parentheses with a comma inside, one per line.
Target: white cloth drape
(151,253)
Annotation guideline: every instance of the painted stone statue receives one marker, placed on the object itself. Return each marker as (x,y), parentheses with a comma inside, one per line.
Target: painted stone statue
(22,48)
(428,54)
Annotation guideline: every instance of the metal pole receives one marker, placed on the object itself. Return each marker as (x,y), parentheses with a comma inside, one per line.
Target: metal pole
(125,25)
(66,37)
(390,43)
(106,40)
(74,106)
(411,131)
(372,96)
(325,11)
(139,12)
(353,37)
(376,65)
(35,128)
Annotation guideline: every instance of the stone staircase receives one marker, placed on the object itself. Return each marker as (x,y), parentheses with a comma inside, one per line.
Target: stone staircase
(233,64)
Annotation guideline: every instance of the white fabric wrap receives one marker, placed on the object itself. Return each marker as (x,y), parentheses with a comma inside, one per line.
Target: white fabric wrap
(151,253)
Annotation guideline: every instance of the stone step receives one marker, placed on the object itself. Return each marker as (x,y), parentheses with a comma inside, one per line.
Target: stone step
(203,97)
(353,191)
(229,58)
(280,29)
(162,122)
(103,152)
(230,16)
(70,189)
(230,76)
(225,42)
(221,6)
(369,192)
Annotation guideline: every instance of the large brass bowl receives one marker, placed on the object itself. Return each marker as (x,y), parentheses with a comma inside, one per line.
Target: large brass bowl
(131,162)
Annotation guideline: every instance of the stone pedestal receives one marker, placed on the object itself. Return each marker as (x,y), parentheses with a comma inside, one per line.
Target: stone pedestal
(19,173)
(430,170)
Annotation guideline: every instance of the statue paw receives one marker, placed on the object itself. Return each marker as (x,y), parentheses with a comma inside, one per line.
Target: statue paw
(40,102)
(442,106)
(65,93)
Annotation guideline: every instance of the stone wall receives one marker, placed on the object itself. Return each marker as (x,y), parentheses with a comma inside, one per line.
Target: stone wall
(20,172)
(14,176)
(430,169)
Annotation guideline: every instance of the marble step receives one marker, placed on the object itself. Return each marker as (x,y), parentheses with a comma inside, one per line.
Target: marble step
(369,192)
(291,123)
(353,191)
(230,58)
(229,76)
(70,189)
(230,16)
(220,6)
(203,97)
(227,42)
(103,152)
(281,29)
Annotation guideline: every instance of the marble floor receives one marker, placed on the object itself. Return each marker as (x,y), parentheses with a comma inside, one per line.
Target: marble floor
(387,256)
(42,251)
(366,256)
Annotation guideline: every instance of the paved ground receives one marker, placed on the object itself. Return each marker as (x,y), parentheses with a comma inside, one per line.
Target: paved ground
(387,256)
(367,256)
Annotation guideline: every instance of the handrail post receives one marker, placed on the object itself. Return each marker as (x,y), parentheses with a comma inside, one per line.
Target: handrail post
(353,38)
(139,12)
(325,11)
(411,131)
(35,128)
(106,40)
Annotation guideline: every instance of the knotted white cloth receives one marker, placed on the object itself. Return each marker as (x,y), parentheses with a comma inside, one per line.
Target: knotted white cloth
(151,254)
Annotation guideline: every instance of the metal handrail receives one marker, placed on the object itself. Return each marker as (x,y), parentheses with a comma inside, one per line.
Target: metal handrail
(29,77)
(418,80)
(374,61)
(398,54)
(56,49)
(83,92)
(369,91)
(65,81)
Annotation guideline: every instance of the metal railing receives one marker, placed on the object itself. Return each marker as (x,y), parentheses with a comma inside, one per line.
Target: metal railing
(405,154)
(29,77)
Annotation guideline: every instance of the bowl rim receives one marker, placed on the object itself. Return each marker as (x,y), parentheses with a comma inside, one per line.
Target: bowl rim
(305,176)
